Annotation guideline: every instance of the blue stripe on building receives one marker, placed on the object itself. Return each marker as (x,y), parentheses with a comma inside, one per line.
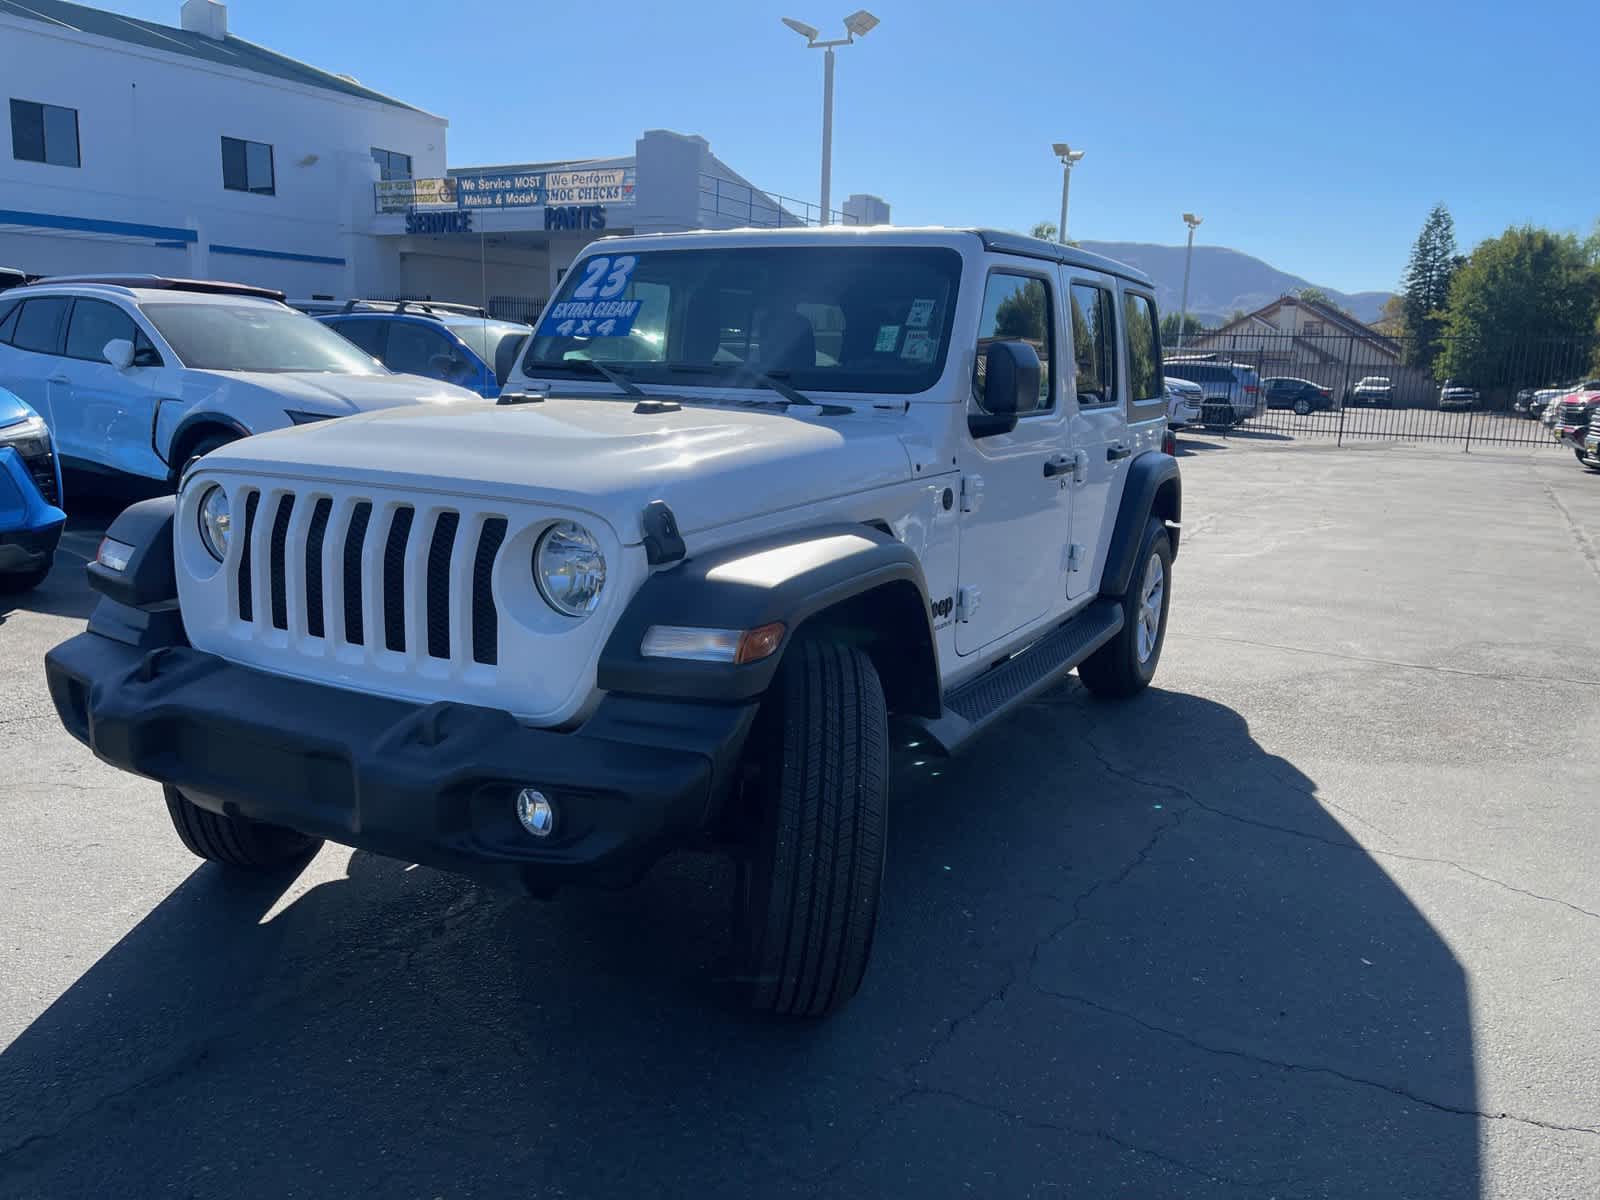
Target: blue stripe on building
(283,255)
(168,233)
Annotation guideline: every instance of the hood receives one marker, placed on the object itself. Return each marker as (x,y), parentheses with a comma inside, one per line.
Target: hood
(12,408)
(337,394)
(712,464)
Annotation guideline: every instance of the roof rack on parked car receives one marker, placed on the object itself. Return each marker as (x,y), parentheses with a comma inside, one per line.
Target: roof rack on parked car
(422,306)
(212,287)
(11,277)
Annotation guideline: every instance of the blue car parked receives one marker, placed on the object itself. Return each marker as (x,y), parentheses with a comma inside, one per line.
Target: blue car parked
(452,342)
(30,496)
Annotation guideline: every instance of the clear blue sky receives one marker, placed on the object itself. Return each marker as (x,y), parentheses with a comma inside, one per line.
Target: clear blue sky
(1315,136)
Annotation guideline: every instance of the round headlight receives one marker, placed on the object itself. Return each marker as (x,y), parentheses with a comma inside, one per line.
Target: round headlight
(569,568)
(214,522)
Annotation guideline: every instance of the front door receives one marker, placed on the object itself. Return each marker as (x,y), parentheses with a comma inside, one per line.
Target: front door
(113,412)
(1015,494)
(1100,428)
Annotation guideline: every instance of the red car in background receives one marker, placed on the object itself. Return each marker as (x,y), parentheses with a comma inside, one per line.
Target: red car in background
(1571,421)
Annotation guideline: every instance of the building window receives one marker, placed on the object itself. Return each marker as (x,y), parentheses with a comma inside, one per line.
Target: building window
(1313,328)
(392,164)
(247,167)
(44,133)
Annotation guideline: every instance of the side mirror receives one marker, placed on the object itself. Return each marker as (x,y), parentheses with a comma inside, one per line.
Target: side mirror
(442,365)
(1011,374)
(119,353)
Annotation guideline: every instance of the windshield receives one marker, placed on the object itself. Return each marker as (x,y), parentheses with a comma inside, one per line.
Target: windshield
(255,337)
(864,318)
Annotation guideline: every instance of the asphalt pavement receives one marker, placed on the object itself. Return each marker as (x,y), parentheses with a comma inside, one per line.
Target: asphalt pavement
(1317,916)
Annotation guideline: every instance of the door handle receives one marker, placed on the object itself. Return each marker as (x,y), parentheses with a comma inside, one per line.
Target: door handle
(1113,453)
(1061,464)
(58,379)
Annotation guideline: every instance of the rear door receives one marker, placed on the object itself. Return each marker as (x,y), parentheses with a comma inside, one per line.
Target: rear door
(111,413)
(370,333)
(31,364)
(1099,425)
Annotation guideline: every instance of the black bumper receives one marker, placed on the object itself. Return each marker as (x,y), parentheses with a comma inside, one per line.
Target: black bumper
(433,784)
(26,549)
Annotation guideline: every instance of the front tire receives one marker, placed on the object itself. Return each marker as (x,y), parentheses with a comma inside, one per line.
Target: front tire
(234,841)
(1126,664)
(211,441)
(810,903)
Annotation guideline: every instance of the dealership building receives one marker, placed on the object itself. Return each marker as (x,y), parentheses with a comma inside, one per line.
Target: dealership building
(187,150)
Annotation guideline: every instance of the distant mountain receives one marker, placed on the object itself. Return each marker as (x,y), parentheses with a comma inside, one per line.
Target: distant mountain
(1224,280)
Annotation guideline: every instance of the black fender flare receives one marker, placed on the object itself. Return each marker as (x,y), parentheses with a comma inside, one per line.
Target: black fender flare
(187,426)
(856,581)
(1154,489)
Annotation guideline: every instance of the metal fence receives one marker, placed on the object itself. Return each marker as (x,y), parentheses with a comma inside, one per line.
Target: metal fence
(728,204)
(1409,404)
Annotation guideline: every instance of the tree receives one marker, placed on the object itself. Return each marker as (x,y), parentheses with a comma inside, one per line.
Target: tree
(1315,295)
(1425,287)
(1045,230)
(1519,298)
(1169,328)
(1391,321)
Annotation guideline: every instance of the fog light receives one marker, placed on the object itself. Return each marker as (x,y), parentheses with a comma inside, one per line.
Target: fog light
(535,813)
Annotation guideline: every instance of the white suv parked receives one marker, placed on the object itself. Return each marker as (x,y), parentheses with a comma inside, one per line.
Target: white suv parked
(760,494)
(135,375)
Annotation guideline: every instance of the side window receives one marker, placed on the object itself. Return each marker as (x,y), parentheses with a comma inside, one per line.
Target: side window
(411,346)
(93,324)
(39,325)
(1017,308)
(8,320)
(145,353)
(1144,350)
(1094,345)
(369,335)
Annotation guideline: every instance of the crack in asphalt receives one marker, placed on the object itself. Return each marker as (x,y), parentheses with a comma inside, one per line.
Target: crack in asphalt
(1585,547)
(1312,1068)
(1501,676)
(1347,844)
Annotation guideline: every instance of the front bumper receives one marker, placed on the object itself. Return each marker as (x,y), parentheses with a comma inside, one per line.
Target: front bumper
(28,549)
(433,784)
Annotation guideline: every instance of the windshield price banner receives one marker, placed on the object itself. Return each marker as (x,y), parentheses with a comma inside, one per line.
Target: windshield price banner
(596,307)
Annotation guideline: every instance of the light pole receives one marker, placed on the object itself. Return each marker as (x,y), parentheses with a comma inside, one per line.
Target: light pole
(1193,223)
(1069,159)
(857,24)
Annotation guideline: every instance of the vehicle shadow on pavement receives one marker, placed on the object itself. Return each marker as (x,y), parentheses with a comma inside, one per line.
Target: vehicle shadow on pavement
(1125,951)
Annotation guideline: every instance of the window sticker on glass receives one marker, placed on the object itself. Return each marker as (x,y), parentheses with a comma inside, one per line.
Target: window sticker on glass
(888,336)
(921,313)
(919,346)
(594,308)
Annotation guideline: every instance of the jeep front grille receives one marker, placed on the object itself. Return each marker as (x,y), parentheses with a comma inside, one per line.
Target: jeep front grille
(395,570)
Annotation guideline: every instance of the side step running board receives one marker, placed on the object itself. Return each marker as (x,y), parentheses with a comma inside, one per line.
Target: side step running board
(974,705)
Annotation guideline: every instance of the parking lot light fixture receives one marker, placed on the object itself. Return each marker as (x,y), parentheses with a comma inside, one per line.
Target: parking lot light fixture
(1069,159)
(1193,222)
(857,24)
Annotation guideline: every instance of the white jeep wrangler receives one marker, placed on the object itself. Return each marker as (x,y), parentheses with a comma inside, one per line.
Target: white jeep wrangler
(752,500)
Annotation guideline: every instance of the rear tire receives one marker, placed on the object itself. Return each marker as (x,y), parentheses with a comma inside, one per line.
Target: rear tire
(1302,408)
(810,897)
(1126,664)
(234,841)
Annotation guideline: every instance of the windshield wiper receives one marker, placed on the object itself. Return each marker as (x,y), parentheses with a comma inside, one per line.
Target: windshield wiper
(610,374)
(743,374)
